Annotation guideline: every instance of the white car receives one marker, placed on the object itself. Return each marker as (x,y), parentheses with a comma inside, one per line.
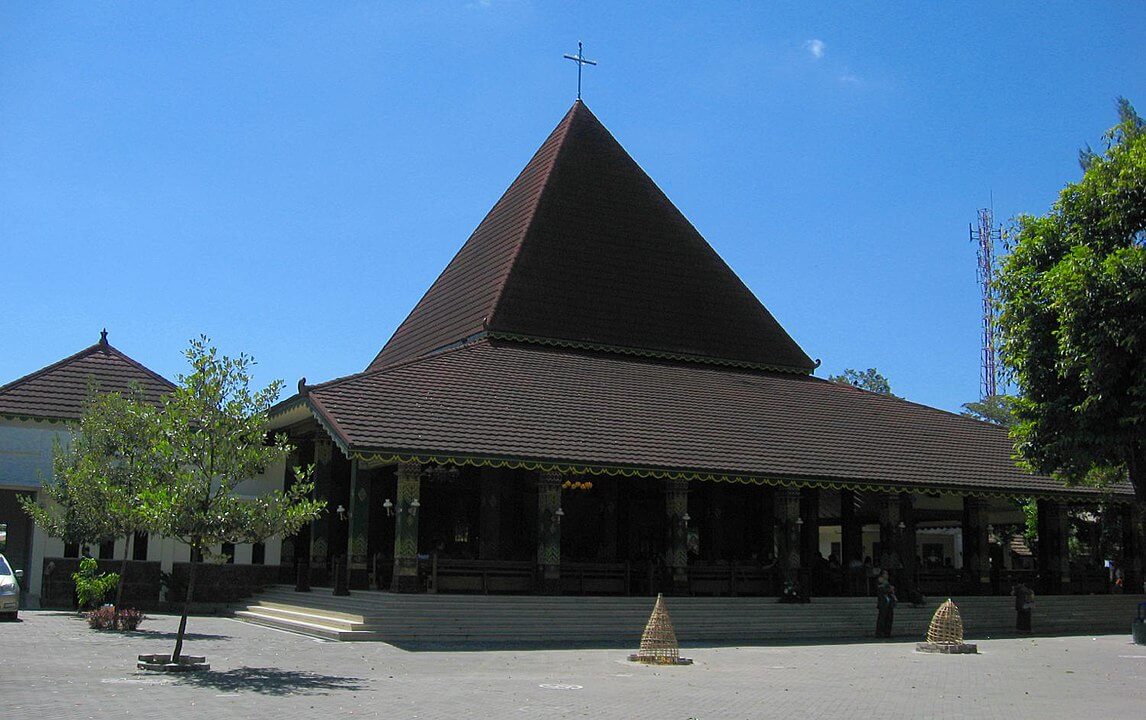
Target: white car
(9,590)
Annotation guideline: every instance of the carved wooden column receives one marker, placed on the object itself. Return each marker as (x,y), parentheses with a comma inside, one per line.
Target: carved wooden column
(788,533)
(976,555)
(320,530)
(676,512)
(889,534)
(406,528)
(1054,558)
(358,525)
(489,516)
(549,515)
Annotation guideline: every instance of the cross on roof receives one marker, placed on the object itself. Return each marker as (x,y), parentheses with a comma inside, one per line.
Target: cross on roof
(579,58)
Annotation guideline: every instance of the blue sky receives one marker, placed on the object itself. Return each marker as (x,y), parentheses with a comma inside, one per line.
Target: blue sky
(289,178)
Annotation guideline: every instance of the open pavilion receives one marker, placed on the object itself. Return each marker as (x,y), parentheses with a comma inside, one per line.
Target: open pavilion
(589,400)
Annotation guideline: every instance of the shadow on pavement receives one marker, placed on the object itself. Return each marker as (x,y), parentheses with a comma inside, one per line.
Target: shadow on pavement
(165,635)
(272,681)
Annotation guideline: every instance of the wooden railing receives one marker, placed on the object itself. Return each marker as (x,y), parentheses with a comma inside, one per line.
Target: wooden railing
(731,580)
(596,578)
(481,576)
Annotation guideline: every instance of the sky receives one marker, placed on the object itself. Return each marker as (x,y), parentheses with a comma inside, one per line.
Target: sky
(288,179)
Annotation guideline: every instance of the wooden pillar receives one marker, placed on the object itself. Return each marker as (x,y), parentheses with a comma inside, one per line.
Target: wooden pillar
(549,516)
(1054,559)
(908,549)
(976,556)
(358,529)
(489,516)
(320,529)
(1133,516)
(811,569)
(676,552)
(406,528)
(788,533)
(851,543)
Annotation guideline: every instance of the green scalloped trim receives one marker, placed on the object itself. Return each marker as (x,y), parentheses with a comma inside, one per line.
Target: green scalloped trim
(711,477)
(641,352)
(40,419)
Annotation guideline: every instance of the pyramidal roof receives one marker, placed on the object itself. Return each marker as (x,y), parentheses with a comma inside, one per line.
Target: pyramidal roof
(585,250)
(60,390)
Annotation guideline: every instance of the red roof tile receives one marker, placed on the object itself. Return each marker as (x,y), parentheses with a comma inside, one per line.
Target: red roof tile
(511,401)
(585,249)
(60,390)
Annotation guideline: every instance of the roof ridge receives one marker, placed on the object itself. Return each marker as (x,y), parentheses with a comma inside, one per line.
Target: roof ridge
(885,397)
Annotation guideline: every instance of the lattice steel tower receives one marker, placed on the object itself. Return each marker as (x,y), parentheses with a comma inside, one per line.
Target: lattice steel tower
(986,235)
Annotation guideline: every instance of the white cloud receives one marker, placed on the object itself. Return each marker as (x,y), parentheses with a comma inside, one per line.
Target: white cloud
(816,48)
(850,79)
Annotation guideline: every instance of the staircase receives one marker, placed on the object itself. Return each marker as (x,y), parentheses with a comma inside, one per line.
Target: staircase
(471,621)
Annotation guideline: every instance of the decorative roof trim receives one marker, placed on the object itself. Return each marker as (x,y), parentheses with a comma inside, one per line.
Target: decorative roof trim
(1077,494)
(643,352)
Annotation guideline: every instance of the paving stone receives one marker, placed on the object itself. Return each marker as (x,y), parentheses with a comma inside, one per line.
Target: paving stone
(53,666)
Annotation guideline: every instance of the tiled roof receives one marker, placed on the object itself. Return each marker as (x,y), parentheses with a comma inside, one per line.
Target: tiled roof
(59,391)
(496,400)
(585,249)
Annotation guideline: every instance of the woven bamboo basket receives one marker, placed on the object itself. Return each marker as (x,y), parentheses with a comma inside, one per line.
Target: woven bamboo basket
(658,642)
(946,626)
(945,633)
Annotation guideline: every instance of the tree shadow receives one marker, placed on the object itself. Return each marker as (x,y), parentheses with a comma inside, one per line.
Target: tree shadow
(272,681)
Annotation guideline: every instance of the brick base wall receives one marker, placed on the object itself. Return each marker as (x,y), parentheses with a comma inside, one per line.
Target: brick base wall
(141,589)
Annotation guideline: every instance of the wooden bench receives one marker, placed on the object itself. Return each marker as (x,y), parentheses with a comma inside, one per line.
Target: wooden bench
(730,580)
(596,578)
(481,576)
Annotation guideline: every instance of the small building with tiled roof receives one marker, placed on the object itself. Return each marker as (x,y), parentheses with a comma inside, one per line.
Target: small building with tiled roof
(588,399)
(37,412)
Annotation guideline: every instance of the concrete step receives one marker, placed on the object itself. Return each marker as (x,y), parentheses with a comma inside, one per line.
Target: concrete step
(314,629)
(460,620)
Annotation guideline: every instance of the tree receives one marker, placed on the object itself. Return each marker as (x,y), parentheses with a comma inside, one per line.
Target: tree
(101,476)
(871,380)
(995,409)
(212,439)
(1073,319)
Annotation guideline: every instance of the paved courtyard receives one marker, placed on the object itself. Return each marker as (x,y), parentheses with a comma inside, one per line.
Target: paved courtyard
(52,666)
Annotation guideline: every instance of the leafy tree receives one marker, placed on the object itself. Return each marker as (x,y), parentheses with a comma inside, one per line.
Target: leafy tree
(871,380)
(101,476)
(1073,319)
(212,440)
(995,409)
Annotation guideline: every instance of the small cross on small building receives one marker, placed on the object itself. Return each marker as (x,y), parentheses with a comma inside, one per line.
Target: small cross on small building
(579,58)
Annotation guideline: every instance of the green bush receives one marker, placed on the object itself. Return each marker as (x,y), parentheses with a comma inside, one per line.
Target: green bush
(92,587)
(108,618)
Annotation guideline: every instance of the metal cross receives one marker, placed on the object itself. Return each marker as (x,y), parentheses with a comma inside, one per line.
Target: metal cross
(579,58)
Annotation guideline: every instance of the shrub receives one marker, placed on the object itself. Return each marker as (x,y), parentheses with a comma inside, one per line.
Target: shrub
(92,588)
(106,618)
(102,618)
(129,619)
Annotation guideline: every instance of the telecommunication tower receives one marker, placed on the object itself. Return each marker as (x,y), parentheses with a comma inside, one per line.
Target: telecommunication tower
(986,235)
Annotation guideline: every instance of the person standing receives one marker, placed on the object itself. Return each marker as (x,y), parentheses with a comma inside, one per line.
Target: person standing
(885,601)
(1024,604)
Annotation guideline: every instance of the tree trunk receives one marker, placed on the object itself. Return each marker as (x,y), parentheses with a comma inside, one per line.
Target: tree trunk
(1137,467)
(123,573)
(186,609)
